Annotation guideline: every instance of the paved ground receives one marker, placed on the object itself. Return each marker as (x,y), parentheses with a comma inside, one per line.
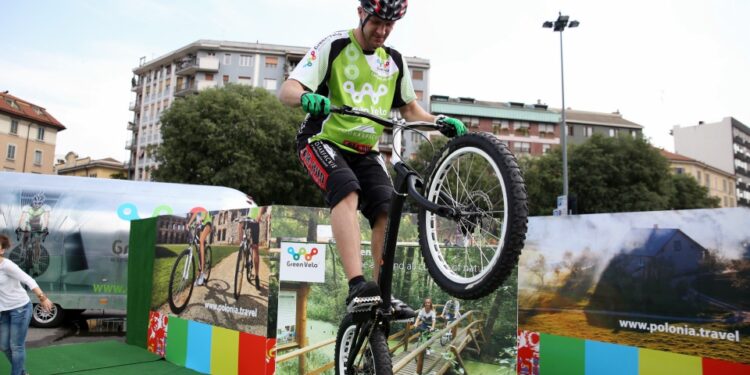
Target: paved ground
(91,325)
(219,294)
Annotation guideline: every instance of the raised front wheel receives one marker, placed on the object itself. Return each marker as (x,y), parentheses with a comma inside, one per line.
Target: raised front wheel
(470,256)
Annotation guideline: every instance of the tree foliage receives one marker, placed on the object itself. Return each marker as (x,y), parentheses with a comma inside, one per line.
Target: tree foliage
(237,136)
(611,174)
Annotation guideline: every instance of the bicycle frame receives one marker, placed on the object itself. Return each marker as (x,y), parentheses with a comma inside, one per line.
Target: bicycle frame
(407,183)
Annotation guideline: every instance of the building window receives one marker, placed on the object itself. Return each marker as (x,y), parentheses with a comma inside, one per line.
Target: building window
(227,59)
(698,176)
(226,79)
(521,147)
(679,170)
(272,62)
(40,133)
(417,75)
(245,60)
(13,126)
(470,121)
(209,76)
(269,84)
(546,148)
(37,157)
(570,131)
(546,129)
(420,94)
(613,132)
(11,154)
(248,81)
(588,131)
(708,181)
(726,201)
(724,187)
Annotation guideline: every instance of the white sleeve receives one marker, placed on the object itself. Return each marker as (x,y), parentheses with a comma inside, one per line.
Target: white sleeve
(311,70)
(15,272)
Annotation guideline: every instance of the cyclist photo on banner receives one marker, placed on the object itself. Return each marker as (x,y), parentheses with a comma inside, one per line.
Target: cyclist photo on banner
(451,310)
(355,68)
(201,219)
(425,317)
(33,225)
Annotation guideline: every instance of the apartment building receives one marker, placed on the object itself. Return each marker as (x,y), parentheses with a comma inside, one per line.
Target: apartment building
(583,124)
(724,145)
(208,63)
(73,165)
(28,134)
(531,129)
(719,183)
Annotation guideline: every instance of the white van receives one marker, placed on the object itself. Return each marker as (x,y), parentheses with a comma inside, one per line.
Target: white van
(71,233)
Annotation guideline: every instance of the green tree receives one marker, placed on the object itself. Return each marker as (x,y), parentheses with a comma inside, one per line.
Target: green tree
(690,194)
(237,136)
(611,174)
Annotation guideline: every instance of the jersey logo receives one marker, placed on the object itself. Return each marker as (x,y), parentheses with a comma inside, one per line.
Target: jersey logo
(367,89)
(310,59)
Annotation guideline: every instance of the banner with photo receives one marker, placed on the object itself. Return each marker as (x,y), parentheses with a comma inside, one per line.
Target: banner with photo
(309,311)
(210,292)
(674,281)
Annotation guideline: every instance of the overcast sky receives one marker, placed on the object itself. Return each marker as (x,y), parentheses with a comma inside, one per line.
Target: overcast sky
(660,63)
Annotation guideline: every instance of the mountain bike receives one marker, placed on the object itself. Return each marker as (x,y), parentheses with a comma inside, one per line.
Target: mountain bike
(182,278)
(31,256)
(472,226)
(246,267)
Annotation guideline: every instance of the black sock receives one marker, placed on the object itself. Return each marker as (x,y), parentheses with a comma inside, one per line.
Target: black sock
(356,280)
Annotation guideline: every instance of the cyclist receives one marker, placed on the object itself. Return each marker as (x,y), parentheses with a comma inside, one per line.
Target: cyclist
(33,221)
(203,219)
(425,322)
(451,310)
(354,68)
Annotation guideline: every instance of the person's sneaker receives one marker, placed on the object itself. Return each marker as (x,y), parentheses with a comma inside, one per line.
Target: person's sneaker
(201,280)
(402,311)
(363,296)
(428,351)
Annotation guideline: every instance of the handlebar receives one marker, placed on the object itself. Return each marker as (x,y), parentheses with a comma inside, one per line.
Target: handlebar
(44,233)
(349,111)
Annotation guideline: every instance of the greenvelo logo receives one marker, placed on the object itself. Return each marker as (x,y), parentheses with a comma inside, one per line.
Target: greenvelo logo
(305,262)
(303,252)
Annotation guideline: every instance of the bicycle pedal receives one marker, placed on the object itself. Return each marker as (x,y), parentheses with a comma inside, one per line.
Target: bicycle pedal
(363,304)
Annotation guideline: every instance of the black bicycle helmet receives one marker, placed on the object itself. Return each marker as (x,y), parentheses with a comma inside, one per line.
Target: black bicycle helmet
(389,10)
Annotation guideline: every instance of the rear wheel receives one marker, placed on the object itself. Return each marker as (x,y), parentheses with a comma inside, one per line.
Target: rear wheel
(373,358)
(239,271)
(181,282)
(471,256)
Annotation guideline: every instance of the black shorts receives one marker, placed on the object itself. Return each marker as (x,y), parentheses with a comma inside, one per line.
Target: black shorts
(339,173)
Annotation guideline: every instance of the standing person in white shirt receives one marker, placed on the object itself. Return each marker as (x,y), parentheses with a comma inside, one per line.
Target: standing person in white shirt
(15,309)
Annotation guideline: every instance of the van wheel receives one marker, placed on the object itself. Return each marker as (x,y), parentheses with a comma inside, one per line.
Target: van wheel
(47,319)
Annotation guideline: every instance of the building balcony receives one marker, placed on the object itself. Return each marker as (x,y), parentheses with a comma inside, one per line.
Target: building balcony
(136,87)
(135,106)
(131,126)
(194,88)
(203,64)
(129,144)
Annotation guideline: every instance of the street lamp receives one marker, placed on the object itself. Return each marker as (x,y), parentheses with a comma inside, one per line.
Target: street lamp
(559,26)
